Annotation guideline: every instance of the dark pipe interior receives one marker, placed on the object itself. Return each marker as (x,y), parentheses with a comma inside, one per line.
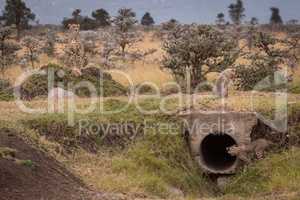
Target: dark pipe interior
(214,153)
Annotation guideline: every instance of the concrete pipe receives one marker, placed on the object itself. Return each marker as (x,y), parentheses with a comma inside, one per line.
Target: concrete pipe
(211,133)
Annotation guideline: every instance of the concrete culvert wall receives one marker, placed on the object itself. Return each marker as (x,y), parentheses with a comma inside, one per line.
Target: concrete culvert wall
(210,133)
(214,153)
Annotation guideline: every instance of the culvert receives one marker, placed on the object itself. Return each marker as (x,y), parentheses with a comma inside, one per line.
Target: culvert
(210,133)
(214,153)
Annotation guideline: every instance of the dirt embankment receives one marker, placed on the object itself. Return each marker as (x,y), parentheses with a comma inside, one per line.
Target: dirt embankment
(38,177)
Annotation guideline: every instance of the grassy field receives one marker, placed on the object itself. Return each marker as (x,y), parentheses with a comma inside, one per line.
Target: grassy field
(155,164)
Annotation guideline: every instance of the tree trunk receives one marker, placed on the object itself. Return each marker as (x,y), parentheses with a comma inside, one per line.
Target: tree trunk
(18,33)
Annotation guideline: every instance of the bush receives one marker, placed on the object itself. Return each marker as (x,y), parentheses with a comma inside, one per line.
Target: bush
(37,85)
(294,124)
(294,88)
(6,91)
(6,95)
(55,128)
(249,76)
(145,89)
(4,84)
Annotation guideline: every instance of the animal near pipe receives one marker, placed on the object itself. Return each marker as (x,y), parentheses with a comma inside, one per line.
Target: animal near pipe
(210,141)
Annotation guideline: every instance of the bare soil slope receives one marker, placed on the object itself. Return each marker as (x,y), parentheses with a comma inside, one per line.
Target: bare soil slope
(45,179)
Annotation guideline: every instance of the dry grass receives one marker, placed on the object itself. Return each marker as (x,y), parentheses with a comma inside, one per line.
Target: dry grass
(148,70)
(238,101)
(97,172)
(140,72)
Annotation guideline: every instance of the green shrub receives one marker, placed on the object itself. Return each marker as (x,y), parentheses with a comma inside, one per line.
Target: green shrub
(6,91)
(145,89)
(55,128)
(294,88)
(26,163)
(294,124)
(249,76)
(4,84)
(37,85)
(7,152)
(161,161)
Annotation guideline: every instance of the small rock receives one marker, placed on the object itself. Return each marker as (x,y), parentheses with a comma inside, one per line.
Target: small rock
(175,192)
(222,182)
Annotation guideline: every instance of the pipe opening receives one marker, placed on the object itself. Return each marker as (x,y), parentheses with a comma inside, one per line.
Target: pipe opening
(214,153)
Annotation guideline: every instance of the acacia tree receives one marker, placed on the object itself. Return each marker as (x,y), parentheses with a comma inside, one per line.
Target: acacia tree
(32,50)
(147,20)
(124,34)
(220,21)
(254,21)
(170,25)
(198,49)
(236,12)
(266,60)
(125,20)
(101,17)
(275,16)
(76,14)
(17,13)
(85,22)
(292,22)
(7,48)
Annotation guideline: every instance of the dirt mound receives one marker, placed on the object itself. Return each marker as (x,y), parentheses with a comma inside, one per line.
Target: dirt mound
(37,85)
(43,178)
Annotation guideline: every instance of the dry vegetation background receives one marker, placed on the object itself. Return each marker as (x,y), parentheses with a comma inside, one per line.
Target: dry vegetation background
(147,70)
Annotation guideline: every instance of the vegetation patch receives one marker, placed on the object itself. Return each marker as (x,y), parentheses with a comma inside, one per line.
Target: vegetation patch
(6,92)
(161,164)
(156,160)
(6,152)
(37,85)
(278,172)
